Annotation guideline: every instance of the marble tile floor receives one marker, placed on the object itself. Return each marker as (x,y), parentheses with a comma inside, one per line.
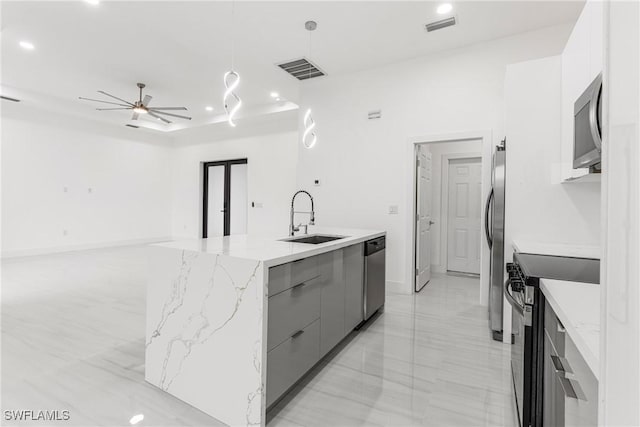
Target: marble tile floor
(73,339)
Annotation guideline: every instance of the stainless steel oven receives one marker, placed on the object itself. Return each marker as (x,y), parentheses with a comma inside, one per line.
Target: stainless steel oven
(524,296)
(522,291)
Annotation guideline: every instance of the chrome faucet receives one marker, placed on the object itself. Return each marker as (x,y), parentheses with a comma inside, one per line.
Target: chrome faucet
(293,228)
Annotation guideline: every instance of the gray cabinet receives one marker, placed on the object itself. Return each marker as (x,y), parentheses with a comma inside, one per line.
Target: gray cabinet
(292,310)
(285,276)
(332,300)
(313,304)
(290,360)
(570,395)
(353,283)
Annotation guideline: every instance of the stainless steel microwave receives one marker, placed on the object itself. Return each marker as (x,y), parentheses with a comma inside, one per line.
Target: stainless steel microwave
(587,126)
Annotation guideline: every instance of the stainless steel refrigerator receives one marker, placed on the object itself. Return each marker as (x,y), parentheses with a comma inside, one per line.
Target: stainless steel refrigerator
(494,228)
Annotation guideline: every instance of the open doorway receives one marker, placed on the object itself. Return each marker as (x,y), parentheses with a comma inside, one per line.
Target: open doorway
(448,208)
(224,198)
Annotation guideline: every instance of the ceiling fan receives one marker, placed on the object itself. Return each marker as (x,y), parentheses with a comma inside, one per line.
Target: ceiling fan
(141,106)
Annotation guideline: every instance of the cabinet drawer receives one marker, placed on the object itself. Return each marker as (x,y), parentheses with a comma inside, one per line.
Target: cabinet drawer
(291,310)
(554,328)
(581,411)
(285,276)
(289,361)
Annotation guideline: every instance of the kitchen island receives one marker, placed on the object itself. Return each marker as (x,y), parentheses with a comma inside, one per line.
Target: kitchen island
(233,322)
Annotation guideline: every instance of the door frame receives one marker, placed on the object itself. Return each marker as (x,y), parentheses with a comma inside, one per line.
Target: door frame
(227,193)
(486,136)
(444,201)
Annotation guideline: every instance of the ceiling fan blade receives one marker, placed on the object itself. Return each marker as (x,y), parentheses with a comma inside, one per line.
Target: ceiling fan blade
(169,114)
(114,97)
(108,109)
(104,102)
(146,100)
(158,117)
(135,116)
(169,108)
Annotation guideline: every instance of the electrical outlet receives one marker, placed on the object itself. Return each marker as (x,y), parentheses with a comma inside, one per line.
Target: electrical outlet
(65,232)
(65,189)
(393,209)
(89,190)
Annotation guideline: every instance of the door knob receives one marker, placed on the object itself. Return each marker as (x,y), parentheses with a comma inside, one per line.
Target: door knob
(431,222)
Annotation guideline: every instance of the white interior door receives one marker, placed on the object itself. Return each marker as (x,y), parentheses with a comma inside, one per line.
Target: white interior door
(215,199)
(463,216)
(423,218)
(239,200)
(225,207)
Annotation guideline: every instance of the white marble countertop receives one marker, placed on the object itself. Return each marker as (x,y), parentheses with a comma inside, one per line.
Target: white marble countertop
(270,249)
(531,247)
(577,305)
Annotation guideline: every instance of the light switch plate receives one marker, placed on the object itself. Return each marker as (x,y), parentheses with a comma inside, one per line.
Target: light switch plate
(393,209)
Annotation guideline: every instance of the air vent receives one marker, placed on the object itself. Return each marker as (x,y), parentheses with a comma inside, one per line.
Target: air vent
(132,126)
(438,25)
(302,69)
(8,98)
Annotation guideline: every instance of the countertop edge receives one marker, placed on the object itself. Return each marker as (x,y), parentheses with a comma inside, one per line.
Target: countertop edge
(303,250)
(576,335)
(556,249)
(321,249)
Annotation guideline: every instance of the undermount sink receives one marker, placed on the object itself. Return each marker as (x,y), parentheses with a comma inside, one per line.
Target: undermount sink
(314,239)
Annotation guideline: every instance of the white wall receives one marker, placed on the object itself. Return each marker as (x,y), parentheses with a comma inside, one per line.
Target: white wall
(363,164)
(539,207)
(271,163)
(42,154)
(439,200)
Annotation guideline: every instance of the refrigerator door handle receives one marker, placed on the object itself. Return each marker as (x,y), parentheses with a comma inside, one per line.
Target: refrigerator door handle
(486,219)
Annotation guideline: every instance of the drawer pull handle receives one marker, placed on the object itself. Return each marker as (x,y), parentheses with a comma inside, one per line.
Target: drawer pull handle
(560,327)
(572,389)
(297,334)
(298,286)
(561,364)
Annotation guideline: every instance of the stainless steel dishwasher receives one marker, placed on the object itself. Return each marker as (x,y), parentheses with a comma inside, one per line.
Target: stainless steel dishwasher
(374,274)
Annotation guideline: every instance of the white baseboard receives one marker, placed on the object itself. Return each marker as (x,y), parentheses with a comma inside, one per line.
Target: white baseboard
(74,248)
(438,268)
(397,288)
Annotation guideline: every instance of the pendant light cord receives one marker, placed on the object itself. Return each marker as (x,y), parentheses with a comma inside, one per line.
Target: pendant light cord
(233,35)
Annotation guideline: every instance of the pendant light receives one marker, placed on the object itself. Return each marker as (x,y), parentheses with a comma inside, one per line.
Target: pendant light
(231,100)
(309,138)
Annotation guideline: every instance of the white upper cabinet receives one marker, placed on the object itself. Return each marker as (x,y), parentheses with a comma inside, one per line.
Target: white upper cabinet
(581,63)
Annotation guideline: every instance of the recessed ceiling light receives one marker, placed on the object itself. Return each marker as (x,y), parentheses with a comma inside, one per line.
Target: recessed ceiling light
(444,8)
(93,2)
(208,108)
(274,94)
(27,45)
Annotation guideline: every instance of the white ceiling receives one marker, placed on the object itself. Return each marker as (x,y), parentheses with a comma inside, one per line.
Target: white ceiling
(181,49)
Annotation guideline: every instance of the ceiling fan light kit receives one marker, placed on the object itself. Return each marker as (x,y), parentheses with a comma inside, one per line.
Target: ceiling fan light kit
(231,100)
(141,106)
